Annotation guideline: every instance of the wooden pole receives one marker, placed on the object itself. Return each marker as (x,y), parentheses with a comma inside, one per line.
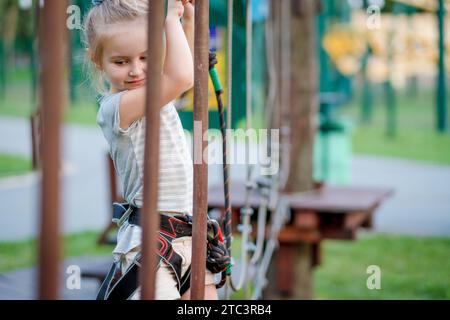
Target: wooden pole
(304,107)
(304,97)
(52,78)
(200,167)
(150,217)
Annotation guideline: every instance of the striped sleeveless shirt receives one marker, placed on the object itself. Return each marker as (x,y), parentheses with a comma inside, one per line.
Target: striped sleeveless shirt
(127,152)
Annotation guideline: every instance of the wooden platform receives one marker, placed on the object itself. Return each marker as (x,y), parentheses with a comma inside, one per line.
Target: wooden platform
(326,213)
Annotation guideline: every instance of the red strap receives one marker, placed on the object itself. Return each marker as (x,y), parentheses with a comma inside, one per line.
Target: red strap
(219,235)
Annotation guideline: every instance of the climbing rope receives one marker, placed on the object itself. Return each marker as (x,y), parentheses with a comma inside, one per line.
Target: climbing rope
(247,210)
(226,179)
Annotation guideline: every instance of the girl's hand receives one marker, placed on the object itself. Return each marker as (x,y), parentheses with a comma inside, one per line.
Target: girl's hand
(189,10)
(175,8)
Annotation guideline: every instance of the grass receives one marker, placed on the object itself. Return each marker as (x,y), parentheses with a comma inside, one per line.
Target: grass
(408,144)
(411,268)
(18,102)
(12,165)
(415,137)
(16,255)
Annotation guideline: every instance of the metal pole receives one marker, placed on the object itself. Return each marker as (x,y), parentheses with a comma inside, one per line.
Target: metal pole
(52,30)
(150,216)
(441,93)
(200,168)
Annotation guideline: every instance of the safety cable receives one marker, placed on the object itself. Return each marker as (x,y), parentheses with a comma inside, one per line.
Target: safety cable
(247,210)
(226,179)
(228,217)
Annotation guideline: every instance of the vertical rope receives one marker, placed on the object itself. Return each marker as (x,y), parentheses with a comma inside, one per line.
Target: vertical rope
(226,170)
(247,210)
(230,62)
(248,73)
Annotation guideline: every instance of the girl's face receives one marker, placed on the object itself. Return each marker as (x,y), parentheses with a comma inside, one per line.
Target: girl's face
(124,60)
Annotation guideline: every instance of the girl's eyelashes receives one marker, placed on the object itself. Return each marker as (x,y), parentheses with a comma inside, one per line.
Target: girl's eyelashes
(123,62)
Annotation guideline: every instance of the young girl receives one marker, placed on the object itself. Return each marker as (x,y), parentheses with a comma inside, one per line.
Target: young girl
(116,37)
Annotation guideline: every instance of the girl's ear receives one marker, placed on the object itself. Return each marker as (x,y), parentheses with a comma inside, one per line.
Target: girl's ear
(91,57)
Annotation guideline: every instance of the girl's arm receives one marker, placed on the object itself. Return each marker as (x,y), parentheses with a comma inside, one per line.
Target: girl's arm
(178,71)
(188,24)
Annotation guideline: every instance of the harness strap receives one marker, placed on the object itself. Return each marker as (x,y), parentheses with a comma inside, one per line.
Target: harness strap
(101,295)
(121,287)
(125,287)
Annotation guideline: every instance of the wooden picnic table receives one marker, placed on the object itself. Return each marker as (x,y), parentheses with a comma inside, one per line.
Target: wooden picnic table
(329,212)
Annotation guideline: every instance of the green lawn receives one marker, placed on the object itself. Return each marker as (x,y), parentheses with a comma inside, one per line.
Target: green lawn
(15,255)
(12,165)
(411,268)
(18,103)
(408,144)
(415,138)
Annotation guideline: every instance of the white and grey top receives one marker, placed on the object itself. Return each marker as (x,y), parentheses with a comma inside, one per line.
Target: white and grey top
(127,152)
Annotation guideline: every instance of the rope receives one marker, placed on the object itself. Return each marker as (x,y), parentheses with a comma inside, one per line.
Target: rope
(279,218)
(247,210)
(226,180)
(227,219)
(230,62)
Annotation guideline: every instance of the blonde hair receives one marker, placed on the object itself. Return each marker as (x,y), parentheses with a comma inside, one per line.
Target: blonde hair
(97,21)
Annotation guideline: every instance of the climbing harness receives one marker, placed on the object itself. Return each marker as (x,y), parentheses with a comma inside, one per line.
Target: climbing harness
(118,286)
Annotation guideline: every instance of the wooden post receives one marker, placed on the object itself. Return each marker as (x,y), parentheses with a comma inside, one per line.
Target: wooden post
(201,64)
(304,107)
(304,97)
(150,217)
(52,32)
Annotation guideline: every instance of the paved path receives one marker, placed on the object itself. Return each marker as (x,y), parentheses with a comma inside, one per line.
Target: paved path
(421,202)
(84,183)
(420,205)
(22,285)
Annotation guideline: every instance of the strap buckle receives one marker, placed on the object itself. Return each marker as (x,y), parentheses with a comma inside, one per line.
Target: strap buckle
(121,212)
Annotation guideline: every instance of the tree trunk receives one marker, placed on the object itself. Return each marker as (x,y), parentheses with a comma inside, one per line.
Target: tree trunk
(304,97)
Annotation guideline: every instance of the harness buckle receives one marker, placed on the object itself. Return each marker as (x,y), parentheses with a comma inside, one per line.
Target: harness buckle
(121,212)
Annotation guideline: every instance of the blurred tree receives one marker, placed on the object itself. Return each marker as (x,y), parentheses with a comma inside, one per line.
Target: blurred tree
(9,11)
